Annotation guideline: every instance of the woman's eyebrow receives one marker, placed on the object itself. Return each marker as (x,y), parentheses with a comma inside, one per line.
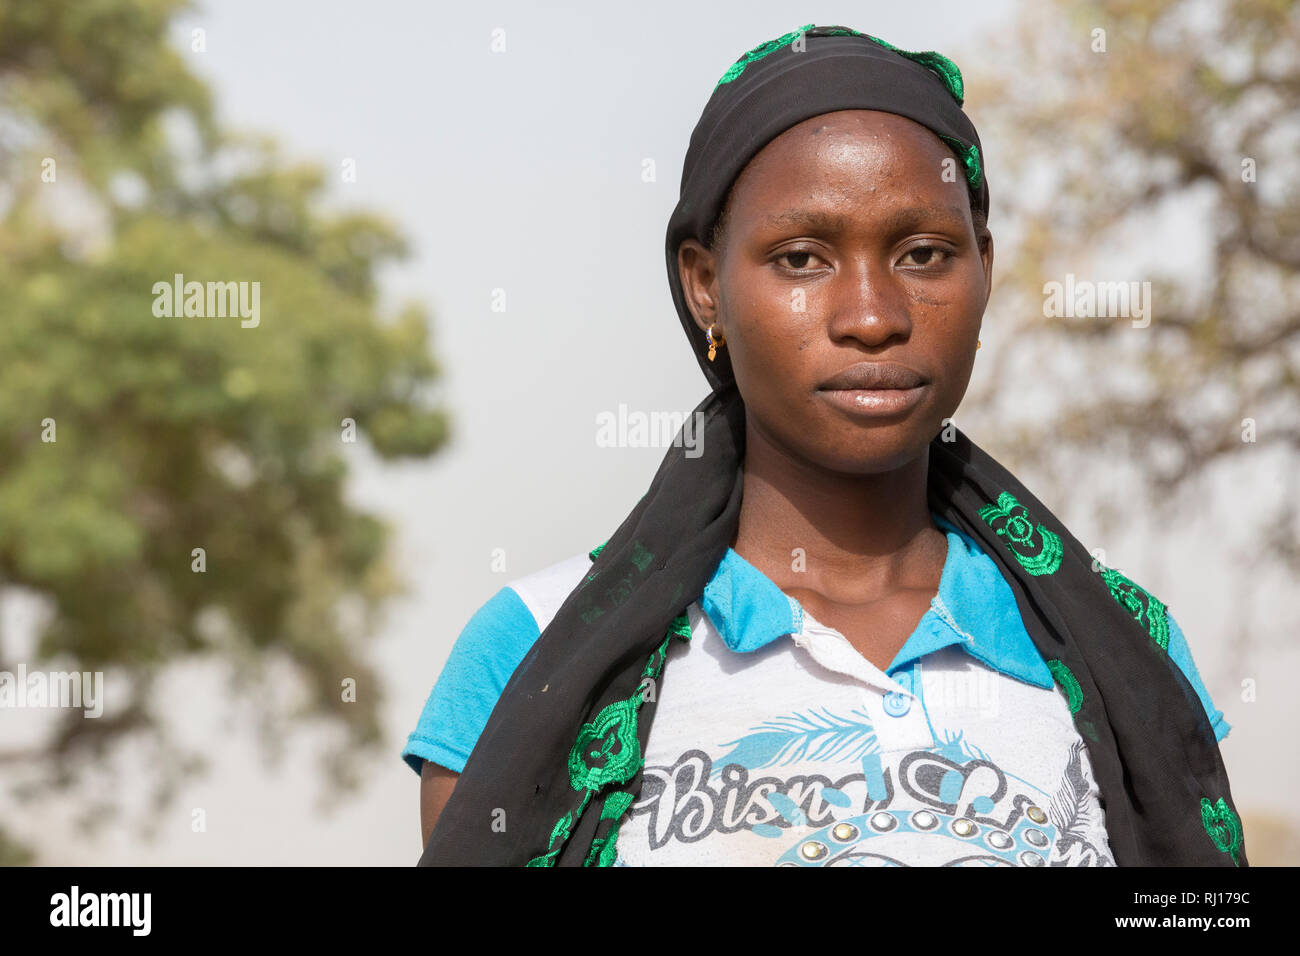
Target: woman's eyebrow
(837,222)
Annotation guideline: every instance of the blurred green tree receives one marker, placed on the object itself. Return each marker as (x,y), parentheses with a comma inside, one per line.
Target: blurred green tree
(175,433)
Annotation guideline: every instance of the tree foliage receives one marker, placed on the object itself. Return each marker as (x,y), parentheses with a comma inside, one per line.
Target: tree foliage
(173,433)
(1159,141)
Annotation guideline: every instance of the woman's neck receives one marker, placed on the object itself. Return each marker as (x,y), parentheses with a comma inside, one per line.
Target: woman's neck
(850,539)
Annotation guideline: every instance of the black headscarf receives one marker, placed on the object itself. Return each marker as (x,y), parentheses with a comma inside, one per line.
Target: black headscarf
(559,761)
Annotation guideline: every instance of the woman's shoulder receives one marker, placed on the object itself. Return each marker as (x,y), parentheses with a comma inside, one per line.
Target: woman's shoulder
(544,590)
(994,583)
(505,625)
(482,659)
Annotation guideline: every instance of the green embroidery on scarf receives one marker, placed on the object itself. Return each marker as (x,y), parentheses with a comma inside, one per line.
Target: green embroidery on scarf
(763,49)
(657,658)
(1224,827)
(606,849)
(607,751)
(1145,607)
(681,627)
(559,834)
(1073,696)
(970,159)
(616,804)
(640,556)
(603,850)
(560,830)
(621,581)
(1069,683)
(936,63)
(945,69)
(1037,549)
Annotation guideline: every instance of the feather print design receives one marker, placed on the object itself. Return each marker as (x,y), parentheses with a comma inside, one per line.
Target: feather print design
(824,736)
(1076,815)
(957,749)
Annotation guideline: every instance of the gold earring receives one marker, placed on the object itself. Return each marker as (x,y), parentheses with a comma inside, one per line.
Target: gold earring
(977,344)
(713,343)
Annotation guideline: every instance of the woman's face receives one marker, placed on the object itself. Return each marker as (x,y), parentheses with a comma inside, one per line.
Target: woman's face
(848,240)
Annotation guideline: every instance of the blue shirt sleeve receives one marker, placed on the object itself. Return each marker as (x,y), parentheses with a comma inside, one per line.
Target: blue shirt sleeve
(480,664)
(1182,656)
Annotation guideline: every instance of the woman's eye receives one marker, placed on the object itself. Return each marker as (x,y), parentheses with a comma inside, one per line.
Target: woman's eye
(797,259)
(926,255)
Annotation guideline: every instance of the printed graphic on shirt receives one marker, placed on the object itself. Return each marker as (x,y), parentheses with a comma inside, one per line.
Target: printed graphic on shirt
(950,805)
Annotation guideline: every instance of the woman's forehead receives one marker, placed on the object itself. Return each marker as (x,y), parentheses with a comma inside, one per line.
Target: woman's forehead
(839,155)
(830,133)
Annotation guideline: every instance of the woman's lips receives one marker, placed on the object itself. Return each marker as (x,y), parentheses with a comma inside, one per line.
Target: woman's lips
(874,402)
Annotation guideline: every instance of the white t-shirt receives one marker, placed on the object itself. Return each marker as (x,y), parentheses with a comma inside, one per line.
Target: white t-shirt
(775,742)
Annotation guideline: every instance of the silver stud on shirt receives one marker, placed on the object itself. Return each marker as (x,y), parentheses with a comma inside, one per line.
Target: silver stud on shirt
(999,839)
(924,820)
(883,821)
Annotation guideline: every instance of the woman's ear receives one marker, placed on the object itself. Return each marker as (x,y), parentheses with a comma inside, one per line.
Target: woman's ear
(986,255)
(697,270)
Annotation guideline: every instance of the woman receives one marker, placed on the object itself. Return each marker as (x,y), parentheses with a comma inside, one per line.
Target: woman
(886,651)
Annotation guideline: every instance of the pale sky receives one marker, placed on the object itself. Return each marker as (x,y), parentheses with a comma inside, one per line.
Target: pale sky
(523,171)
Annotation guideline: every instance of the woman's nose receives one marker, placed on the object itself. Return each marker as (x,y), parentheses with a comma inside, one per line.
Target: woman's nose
(868,305)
